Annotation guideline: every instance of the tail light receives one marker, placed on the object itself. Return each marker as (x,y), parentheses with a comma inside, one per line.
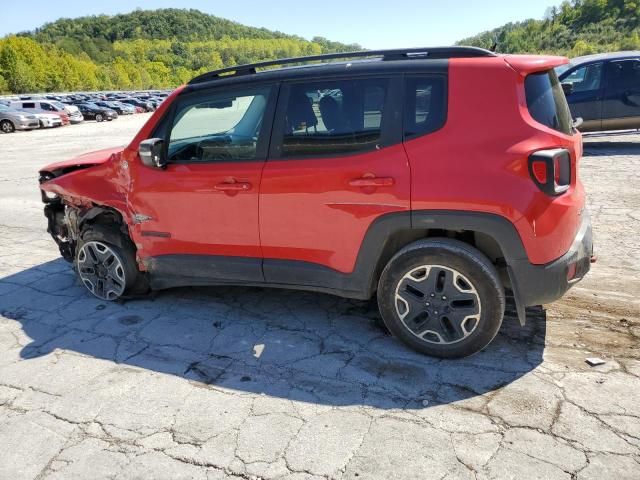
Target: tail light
(550,170)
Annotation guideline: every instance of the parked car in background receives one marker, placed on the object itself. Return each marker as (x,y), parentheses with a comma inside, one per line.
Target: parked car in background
(129,109)
(146,106)
(116,106)
(92,111)
(71,111)
(12,120)
(47,119)
(122,108)
(603,90)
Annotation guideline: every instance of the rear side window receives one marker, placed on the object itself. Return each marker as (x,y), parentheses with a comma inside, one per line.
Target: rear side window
(334,117)
(546,101)
(28,105)
(623,75)
(425,105)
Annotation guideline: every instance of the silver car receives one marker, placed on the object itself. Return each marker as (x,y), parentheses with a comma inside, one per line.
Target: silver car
(12,120)
(51,106)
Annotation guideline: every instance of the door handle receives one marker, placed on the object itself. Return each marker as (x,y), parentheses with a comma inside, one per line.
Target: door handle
(233,186)
(369,180)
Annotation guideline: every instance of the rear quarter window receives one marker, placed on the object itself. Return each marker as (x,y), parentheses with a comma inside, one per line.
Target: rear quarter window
(546,101)
(425,105)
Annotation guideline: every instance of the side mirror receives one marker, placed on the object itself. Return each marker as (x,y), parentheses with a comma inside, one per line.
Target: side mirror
(151,153)
(577,122)
(567,88)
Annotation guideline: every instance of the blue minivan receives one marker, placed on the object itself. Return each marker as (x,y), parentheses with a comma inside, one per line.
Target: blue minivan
(603,90)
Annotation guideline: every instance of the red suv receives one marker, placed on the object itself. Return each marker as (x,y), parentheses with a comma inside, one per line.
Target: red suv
(435,179)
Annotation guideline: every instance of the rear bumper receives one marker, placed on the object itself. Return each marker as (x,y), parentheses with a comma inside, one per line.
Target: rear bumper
(541,284)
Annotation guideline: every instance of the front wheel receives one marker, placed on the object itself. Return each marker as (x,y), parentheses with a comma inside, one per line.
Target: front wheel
(7,127)
(441,297)
(99,117)
(107,270)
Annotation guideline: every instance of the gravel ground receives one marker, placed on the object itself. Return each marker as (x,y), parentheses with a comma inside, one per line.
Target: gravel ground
(252,383)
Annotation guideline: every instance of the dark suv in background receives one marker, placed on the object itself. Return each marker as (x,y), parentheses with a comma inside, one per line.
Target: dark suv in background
(603,90)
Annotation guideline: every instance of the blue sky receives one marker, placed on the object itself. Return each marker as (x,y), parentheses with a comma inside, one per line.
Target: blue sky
(371,23)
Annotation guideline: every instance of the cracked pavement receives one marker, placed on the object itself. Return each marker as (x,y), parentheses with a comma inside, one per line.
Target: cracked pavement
(255,383)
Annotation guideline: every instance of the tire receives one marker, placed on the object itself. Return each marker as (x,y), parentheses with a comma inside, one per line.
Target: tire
(99,117)
(105,262)
(6,126)
(441,297)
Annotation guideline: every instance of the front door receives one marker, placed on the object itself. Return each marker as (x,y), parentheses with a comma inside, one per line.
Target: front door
(585,99)
(621,106)
(199,216)
(335,166)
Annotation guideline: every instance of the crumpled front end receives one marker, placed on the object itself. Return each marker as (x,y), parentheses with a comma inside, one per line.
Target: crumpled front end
(81,190)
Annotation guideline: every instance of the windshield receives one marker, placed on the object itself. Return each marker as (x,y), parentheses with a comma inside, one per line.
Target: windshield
(562,68)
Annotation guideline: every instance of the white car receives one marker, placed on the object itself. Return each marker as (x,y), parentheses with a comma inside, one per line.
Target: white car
(50,106)
(46,119)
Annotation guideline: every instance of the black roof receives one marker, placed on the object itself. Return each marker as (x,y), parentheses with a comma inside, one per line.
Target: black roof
(378,59)
(604,56)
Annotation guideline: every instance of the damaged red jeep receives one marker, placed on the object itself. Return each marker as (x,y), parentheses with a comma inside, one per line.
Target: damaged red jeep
(436,179)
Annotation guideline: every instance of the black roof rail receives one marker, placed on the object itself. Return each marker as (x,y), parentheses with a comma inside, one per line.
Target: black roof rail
(395,54)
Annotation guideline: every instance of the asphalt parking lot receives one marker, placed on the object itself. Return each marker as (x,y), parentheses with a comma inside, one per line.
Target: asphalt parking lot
(255,383)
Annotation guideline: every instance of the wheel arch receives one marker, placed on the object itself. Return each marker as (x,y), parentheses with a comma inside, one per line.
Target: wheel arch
(107,221)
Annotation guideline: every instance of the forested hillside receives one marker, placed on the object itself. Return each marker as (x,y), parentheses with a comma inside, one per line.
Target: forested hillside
(142,49)
(579,27)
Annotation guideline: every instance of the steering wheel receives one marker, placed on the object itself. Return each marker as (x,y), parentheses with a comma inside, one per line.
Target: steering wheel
(222,153)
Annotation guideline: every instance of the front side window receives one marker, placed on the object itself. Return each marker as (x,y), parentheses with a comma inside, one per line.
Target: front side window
(222,126)
(546,101)
(425,105)
(334,117)
(585,78)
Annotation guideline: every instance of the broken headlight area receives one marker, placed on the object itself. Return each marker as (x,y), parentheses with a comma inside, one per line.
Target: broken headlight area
(62,222)
(47,197)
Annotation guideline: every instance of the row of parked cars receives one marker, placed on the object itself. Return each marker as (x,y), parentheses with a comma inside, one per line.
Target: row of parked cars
(48,111)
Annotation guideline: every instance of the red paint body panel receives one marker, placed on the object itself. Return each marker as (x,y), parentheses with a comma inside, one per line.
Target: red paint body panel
(478,160)
(526,64)
(307,209)
(184,202)
(105,183)
(86,159)
(309,212)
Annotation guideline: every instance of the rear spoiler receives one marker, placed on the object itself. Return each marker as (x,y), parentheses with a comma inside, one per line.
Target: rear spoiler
(526,64)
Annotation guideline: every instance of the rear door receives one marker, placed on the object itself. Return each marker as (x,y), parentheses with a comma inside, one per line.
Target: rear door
(621,106)
(585,99)
(336,164)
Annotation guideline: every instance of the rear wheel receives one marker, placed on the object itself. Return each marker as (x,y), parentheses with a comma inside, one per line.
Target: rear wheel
(7,127)
(441,297)
(106,264)
(99,117)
